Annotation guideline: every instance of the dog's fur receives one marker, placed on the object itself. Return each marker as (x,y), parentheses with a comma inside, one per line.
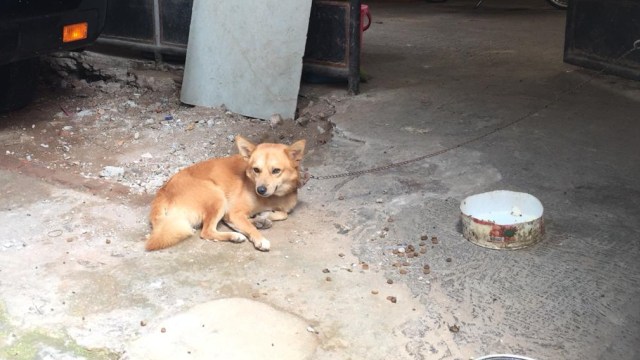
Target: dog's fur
(261,180)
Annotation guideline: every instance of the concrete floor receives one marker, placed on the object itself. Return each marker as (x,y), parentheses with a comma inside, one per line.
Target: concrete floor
(446,73)
(440,74)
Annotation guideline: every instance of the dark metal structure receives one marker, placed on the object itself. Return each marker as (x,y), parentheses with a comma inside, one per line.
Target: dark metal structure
(161,27)
(599,32)
(155,26)
(30,29)
(333,41)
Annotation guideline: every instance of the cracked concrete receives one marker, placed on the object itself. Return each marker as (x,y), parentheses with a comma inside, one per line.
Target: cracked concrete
(76,282)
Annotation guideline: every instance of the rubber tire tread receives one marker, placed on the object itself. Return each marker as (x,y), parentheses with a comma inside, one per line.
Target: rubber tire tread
(18,84)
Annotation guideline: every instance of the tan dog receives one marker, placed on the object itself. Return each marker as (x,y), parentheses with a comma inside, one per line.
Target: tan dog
(262,179)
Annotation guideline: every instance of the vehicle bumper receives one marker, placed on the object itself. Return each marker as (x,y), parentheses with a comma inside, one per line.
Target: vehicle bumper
(23,36)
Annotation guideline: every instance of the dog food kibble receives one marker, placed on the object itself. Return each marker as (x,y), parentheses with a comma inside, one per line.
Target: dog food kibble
(328,278)
(374,292)
(395,251)
(326,271)
(365,266)
(416,254)
(389,281)
(143,323)
(410,255)
(426,271)
(423,250)
(340,197)
(405,263)
(403,271)
(108,241)
(386,228)
(424,237)
(426,266)
(422,243)
(163,330)
(454,328)
(448,260)
(411,248)
(341,254)
(392,299)
(434,240)
(390,220)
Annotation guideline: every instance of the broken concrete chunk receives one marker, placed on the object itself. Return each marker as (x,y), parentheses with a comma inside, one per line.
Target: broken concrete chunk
(112,172)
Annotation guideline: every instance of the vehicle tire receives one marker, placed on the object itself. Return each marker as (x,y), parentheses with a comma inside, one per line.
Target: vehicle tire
(18,84)
(559,4)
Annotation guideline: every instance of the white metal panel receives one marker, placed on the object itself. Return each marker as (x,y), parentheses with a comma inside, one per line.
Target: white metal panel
(246,55)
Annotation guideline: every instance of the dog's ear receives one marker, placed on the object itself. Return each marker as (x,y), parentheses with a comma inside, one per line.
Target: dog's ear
(245,147)
(296,150)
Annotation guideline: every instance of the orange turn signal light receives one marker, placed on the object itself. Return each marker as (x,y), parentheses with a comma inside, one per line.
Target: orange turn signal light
(75,32)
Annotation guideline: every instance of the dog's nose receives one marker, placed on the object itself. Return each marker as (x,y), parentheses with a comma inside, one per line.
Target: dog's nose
(261,190)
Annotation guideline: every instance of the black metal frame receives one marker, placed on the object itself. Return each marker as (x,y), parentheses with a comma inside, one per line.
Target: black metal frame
(348,67)
(599,32)
(354,47)
(153,42)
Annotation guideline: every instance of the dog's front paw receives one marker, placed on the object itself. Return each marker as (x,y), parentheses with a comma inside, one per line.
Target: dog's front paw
(238,238)
(262,223)
(262,245)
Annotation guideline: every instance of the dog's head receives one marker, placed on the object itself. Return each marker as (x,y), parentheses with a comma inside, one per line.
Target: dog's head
(274,168)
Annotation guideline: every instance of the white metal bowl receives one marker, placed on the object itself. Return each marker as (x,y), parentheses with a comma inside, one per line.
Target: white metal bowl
(504,357)
(502,219)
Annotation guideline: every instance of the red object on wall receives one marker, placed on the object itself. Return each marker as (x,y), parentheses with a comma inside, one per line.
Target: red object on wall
(364,12)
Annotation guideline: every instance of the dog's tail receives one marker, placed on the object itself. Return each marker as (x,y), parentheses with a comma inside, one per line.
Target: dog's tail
(170,226)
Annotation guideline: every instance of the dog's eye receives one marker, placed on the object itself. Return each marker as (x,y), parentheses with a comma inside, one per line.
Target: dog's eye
(275,171)
(256,170)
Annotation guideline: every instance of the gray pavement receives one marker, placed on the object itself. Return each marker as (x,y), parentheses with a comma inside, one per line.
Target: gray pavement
(76,283)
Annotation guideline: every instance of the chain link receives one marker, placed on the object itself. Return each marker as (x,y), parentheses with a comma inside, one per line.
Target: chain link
(636,46)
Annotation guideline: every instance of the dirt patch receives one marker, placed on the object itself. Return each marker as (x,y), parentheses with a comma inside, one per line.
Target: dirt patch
(98,116)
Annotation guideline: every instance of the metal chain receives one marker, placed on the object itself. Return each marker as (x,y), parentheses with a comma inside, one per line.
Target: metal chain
(636,46)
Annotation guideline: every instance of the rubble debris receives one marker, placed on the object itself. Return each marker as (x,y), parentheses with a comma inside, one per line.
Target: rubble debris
(275,120)
(112,172)
(121,120)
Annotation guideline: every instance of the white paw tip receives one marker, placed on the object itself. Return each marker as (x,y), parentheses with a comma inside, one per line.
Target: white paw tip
(240,238)
(265,245)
